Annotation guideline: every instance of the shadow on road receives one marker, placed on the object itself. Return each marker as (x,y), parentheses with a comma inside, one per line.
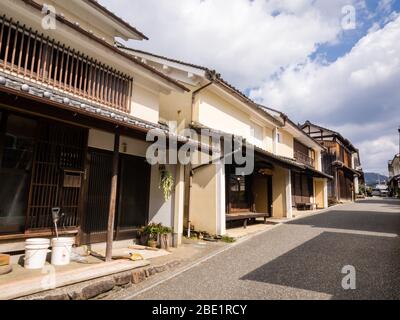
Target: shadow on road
(370,221)
(316,265)
(390,202)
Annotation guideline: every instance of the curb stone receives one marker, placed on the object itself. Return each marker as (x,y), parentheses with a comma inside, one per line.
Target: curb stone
(102,287)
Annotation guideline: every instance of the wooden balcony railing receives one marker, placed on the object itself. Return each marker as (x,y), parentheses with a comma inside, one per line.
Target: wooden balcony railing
(303,158)
(30,55)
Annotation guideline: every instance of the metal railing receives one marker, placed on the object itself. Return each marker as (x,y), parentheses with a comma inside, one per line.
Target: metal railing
(30,55)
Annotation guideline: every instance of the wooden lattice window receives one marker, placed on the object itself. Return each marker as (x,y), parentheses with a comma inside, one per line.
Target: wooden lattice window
(26,53)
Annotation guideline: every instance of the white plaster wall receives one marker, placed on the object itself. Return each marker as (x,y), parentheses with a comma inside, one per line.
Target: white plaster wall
(219,114)
(84,18)
(285,147)
(268,139)
(161,211)
(145,104)
(105,141)
(257,135)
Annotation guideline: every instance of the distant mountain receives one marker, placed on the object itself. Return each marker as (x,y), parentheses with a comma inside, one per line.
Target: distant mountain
(374,178)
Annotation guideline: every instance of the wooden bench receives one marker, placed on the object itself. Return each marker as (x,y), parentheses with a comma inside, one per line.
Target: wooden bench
(306,206)
(245,217)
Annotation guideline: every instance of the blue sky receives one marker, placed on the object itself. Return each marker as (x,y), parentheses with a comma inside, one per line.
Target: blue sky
(366,18)
(293,55)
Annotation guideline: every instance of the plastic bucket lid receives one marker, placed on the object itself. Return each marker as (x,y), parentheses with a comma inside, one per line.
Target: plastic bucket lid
(37,241)
(36,246)
(62,241)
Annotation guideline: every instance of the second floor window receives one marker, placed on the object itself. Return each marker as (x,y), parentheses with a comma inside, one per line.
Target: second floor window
(28,54)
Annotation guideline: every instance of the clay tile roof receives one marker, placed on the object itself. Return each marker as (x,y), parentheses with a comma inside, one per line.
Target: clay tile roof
(121,46)
(211,75)
(339,135)
(76,27)
(112,15)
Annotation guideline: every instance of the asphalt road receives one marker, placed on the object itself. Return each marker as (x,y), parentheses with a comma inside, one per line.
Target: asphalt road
(303,259)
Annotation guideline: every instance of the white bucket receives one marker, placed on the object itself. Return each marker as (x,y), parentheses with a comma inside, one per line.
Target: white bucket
(35,253)
(61,251)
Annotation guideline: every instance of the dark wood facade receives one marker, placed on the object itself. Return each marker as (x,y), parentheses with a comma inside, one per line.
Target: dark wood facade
(302,184)
(46,163)
(245,201)
(302,188)
(248,196)
(337,161)
(303,154)
(31,55)
(132,196)
(42,167)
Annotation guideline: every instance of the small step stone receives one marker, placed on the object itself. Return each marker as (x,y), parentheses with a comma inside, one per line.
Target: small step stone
(123,279)
(160,269)
(98,288)
(138,276)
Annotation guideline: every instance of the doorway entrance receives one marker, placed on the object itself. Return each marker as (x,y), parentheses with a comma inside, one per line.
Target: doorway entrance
(41,167)
(132,202)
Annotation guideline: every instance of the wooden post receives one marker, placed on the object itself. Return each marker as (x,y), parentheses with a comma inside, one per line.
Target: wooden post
(113,199)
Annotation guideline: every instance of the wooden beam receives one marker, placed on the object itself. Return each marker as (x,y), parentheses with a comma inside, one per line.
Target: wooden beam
(3,127)
(113,198)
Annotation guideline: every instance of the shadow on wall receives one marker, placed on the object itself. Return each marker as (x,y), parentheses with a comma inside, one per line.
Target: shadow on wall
(370,221)
(317,264)
(204,176)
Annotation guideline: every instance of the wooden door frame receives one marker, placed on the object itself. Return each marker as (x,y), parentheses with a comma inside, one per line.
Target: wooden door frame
(83,219)
(117,228)
(229,204)
(270,195)
(147,181)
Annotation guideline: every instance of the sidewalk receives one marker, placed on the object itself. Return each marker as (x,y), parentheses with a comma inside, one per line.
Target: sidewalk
(97,279)
(260,226)
(21,283)
(101,280)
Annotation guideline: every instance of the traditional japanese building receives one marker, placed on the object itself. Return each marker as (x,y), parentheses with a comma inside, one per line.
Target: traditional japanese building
(218,193)
(74,114)
(394,176)
(340,160)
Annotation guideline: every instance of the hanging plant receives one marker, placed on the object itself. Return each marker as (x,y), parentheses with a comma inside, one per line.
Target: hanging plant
(166,182)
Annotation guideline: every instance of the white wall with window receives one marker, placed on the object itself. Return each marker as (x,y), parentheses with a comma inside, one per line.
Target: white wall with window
(257,135)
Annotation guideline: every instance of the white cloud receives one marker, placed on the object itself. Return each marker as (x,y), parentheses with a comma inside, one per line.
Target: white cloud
(358,94)
(376,153)
(266,44)
(247,41)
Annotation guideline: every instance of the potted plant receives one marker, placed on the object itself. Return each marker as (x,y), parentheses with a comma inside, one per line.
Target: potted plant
(166,182)
(163,237)
(156,235)
(151,231)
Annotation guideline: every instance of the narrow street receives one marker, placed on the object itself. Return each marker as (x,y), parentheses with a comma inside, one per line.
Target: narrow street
(303,259)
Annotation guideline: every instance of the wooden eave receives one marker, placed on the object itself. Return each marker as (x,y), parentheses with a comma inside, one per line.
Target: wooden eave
(104,43)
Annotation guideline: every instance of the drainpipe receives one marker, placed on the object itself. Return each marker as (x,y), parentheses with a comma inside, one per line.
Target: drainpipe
(212,76)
